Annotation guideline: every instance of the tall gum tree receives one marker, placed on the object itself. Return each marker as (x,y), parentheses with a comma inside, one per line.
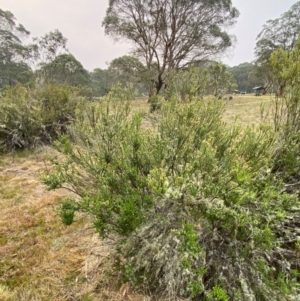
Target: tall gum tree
(11,35)
(46,48)
(276,33)
(13,53)
(65,69)
(171,34)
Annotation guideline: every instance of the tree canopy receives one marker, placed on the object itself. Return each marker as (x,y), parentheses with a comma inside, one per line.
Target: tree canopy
(49,46)
(11,35)
(246,77)
(65,69)
(219,79)
(168,35)
(125,70)
(101,81)
(278,33)
(128,69)
(12,51)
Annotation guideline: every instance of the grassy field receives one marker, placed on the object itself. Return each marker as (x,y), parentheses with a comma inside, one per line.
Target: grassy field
(247,109)
(40,258)
(242,109)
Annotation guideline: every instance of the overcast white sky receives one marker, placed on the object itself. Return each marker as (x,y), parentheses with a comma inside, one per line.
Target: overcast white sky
(80,22)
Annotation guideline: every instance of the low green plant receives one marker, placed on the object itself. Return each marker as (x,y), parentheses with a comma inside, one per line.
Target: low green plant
(66,212)
(155,102)
(193,201)
(217,294)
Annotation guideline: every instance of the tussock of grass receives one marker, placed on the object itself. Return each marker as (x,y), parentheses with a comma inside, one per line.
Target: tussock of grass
(5,293)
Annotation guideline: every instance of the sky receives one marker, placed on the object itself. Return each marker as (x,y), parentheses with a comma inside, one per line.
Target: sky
(80,21)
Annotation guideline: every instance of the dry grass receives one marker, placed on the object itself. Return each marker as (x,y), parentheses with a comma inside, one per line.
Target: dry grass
(247,109)
(40,258)
(242,109)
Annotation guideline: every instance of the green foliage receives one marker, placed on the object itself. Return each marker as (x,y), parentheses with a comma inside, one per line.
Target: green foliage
(246,77)
(15,72)
(217,294)
(124,70)
(101,82)
(187,84)
(194,202)
(31,117)
(286,69)
(219,80)
(155,102)
(278,33)
(46,48)
(12,51)
(111,159)
(162,37)
(190,242)
(54,181)
(195,82)
(127,69)
(66,212)
(65,70)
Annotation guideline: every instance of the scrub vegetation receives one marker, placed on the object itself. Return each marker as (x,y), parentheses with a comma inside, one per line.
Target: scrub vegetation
(186,199)
(190,193)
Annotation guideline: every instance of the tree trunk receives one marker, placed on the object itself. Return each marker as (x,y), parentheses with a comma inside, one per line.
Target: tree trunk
(159,85)
(280,90)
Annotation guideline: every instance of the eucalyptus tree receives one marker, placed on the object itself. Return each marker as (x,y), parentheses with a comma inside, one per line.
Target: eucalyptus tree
(12,73)
(49,46)
(66,69)
(170,34)
(129,69)
(245,76)
(11,35)
(13,68)
(101,81)
(220,79)
(125,69)
(52,59)
(278,33)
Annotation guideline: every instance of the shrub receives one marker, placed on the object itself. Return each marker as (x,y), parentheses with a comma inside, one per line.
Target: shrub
(194,203)
(286,70)
(31,117)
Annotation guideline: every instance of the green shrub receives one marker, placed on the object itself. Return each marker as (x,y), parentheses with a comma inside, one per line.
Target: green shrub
(194,203)
(66,212)
(286,71)
(155,102)
(34,116)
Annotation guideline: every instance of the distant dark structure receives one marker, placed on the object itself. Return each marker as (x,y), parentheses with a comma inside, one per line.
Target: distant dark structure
(259,90)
